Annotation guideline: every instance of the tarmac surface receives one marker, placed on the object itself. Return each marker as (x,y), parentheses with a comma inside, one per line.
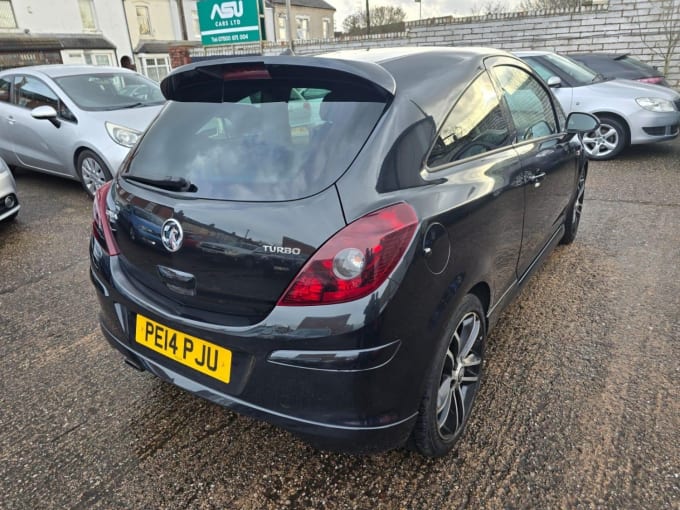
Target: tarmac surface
(579,408)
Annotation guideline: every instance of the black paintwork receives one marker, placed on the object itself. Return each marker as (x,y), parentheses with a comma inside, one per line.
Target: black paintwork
(484,225)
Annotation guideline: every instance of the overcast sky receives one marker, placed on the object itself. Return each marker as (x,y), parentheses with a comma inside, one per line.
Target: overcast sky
(431,8)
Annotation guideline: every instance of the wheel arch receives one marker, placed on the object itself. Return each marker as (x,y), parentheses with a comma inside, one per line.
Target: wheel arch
(617,117)
(482,291)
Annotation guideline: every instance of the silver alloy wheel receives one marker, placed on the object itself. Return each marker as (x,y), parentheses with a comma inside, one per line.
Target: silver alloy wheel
(602,142)
(460,376)
(93,174)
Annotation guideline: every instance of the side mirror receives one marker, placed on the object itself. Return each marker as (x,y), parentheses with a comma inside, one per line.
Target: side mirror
(554,82)
(47,113)
(581,123)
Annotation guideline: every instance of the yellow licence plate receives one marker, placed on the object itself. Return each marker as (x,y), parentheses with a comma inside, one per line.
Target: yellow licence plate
(205,357)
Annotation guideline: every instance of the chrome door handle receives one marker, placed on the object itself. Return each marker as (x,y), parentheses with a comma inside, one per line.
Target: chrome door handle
(536,179)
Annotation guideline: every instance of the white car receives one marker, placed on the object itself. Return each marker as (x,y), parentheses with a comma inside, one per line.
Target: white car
(630,112)
(9,203)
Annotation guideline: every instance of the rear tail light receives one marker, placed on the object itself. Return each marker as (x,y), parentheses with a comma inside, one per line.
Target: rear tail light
(654,80)
(356,260)
(101,230)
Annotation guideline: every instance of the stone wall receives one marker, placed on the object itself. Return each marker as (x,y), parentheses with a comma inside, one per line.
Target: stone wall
(622,26)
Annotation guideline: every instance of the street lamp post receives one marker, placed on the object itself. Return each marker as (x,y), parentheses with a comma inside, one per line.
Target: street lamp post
(368,19)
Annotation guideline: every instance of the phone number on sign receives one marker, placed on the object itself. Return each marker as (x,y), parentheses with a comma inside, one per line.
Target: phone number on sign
(230,38)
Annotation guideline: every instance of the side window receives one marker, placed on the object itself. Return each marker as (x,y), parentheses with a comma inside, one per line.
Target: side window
(30,93)
(530,105)
(5,86)
(475,125)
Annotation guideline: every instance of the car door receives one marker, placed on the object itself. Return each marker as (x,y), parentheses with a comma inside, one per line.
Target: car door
(474,162)
(548,158)
(6,151)
(39,143)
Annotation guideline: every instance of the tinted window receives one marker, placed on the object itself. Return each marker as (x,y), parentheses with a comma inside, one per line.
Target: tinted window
(5,85)
(110,91)
(265,142)
(576,73)
(475,125)
(30,93)
(529,104)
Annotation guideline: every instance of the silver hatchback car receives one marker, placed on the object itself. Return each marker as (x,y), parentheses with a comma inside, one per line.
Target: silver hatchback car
(630,112)
(74,121)
(9,203)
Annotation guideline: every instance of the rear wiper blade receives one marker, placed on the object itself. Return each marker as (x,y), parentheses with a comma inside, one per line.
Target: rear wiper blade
(169,183)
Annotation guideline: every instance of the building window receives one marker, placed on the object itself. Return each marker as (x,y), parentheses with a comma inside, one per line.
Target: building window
(7,19)
(156,68)
(326,28)
(87,14)
(302,27)
(282,28)
(98,59)
(197,25)
(143,20)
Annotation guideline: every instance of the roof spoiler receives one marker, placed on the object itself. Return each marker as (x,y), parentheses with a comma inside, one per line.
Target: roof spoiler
(177,85)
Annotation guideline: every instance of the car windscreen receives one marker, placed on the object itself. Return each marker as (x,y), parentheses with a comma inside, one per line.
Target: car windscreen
(110,91)
(265,140)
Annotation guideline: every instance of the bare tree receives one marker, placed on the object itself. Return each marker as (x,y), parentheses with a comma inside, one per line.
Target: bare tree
(664,47)
(380,16)
(543,5)
(489,7)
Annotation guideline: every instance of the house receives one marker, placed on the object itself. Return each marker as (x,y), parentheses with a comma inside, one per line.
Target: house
(66,31)
(313,19)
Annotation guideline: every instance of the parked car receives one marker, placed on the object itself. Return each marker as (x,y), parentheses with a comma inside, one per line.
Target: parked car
(613,65)
(422,193)
(630,112)
(9,203)
(74,121)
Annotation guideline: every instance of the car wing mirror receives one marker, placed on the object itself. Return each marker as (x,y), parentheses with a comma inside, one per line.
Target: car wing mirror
(554,82)
(581,123)
(46,112)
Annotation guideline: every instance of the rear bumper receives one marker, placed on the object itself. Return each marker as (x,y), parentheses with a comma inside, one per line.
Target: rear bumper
(341,383)
(357,439)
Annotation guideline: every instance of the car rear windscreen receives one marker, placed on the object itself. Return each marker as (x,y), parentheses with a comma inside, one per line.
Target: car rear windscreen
(262,140)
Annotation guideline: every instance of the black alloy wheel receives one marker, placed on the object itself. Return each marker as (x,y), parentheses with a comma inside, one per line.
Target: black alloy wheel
(453,382)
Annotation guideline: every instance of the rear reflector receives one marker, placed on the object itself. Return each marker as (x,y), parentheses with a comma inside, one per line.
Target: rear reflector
(355,261)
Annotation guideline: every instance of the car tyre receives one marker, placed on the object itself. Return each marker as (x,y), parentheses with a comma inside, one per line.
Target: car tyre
(453,381)
(92,171)
(607,141)
(573,219)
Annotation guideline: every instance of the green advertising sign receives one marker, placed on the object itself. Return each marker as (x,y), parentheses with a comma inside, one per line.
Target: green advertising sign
(232,22)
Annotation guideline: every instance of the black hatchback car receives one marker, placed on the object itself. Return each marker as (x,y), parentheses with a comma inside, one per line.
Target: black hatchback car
(621,65)
(324,242)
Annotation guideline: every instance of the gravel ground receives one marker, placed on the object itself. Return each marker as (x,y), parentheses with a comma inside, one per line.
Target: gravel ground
(579,407)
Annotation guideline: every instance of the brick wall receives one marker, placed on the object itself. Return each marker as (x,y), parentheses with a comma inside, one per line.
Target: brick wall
(631,26)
